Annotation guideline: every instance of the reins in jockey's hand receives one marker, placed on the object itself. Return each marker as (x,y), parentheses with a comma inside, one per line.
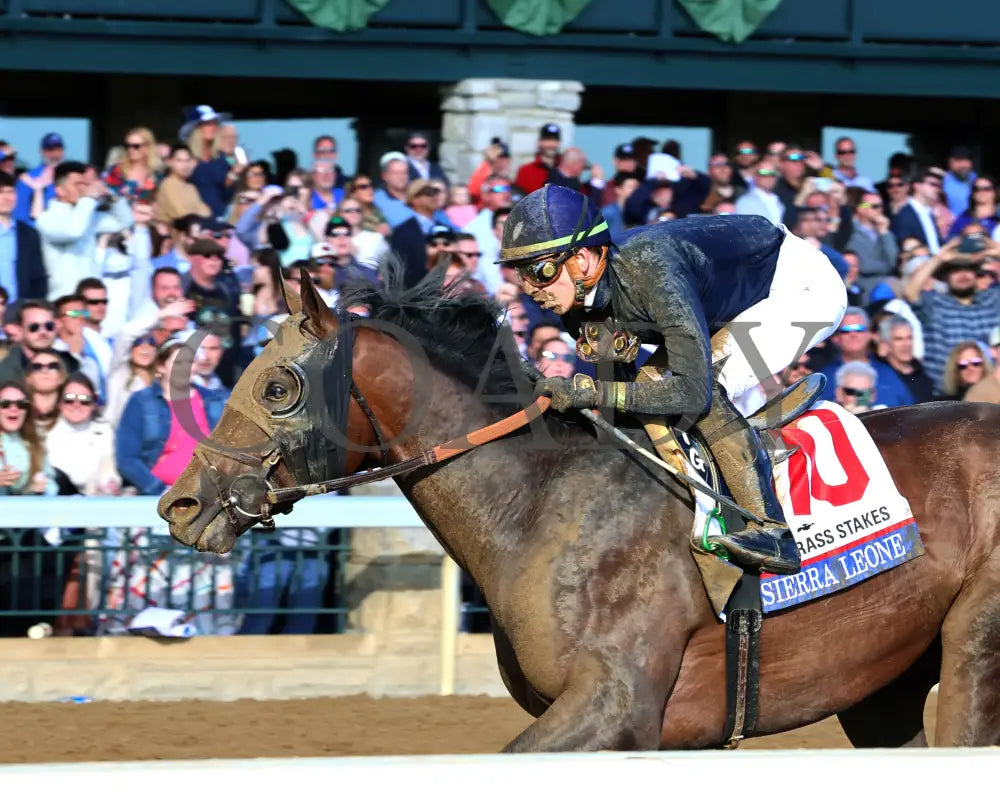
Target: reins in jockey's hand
(534,375)
(698,486)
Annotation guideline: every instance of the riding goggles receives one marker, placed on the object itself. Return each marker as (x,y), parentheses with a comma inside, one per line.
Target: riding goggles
(543,273)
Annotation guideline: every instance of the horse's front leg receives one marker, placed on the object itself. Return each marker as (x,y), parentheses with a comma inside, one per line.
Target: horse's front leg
(610,704)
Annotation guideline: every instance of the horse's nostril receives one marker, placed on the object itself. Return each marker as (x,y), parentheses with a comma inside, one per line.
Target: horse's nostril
(183,509)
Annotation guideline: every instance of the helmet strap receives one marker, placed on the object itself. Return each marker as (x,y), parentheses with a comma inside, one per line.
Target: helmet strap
(585,284)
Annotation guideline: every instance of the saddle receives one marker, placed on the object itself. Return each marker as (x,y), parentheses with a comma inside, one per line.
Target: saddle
(733,593)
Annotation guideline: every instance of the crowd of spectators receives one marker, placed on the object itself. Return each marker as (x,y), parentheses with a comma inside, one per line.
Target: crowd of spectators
(108,270)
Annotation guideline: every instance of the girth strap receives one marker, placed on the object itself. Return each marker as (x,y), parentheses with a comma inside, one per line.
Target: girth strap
(744,618)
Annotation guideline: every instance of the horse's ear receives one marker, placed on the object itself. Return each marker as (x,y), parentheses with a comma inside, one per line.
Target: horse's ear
(320,317)
(292,299)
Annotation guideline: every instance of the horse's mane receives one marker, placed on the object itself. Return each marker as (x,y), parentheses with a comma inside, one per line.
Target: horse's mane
(460,333)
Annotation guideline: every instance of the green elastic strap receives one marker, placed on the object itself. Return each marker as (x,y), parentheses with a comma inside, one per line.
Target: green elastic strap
(713,547)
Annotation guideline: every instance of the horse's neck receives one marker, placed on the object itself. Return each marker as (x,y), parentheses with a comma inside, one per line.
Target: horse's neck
(471,503)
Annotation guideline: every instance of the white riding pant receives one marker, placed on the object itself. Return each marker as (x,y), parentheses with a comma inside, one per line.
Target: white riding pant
(807,301)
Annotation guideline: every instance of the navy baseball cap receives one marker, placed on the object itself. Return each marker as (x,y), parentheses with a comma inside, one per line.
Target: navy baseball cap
(440,232)
(51,141)
(550,131)
(625,151)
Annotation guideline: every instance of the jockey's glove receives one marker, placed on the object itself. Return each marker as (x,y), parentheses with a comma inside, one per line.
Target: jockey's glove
(580,392)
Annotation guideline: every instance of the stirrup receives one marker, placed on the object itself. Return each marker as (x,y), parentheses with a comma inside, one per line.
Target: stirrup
(761,549)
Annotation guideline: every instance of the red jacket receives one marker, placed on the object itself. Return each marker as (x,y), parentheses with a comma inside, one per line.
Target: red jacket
(532,177)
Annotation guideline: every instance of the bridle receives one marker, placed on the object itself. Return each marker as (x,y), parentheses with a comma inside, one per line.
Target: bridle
(245,489)
(252,497)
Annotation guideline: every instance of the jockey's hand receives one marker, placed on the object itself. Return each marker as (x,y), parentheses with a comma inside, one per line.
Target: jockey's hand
(567,394)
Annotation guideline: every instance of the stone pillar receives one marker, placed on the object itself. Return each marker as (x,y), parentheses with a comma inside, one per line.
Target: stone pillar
(392,588)
(477,109)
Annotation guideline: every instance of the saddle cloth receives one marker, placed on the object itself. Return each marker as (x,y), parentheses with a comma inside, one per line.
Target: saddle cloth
(840,502)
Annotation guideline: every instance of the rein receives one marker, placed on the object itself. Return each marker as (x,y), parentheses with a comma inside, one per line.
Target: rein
(434,455)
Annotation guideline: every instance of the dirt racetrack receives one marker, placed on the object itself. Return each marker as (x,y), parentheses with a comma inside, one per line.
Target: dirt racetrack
(340,726)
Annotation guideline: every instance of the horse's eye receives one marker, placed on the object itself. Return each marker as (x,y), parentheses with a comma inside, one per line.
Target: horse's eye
(280,390)
(275,392)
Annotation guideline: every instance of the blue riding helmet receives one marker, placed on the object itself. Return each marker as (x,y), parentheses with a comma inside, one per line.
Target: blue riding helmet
(553,220)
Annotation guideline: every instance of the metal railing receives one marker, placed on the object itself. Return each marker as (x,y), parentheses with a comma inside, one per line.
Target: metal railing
(81,575)
(94,581)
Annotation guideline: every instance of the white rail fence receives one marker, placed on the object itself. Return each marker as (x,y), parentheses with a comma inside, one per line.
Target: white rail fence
(714,775)
(312,512)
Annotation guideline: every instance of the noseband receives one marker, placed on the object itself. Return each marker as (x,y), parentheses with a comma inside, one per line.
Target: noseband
(252,494)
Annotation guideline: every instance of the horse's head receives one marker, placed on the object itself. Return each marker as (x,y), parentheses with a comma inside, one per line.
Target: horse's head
(289,422)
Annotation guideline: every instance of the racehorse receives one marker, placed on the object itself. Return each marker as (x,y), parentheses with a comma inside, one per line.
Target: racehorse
(602,626)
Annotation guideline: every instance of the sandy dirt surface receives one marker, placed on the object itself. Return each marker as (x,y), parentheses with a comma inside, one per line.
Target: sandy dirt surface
(339,726)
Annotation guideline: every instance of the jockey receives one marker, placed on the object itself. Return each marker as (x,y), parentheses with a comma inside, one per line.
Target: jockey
(676,284)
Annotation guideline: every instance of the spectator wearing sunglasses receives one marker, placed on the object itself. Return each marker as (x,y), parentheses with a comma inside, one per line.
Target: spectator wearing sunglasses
(960,313)
(369,246)
(38,332)
(846,155)
(856,387)
(916,218)
(496,196)
(72,336)
(745,161)
(45,377)
(987,390)
(418,152)
(409,239)
(794,166)
(362,189)
(853,343)
(22,271)
(24,467)
(81,445)
(871,239)
(325,149)
(968,363)
(762,200)
(982,208)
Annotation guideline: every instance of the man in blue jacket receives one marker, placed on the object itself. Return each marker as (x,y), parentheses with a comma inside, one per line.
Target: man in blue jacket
(40,178)
(676,284)
(854,341)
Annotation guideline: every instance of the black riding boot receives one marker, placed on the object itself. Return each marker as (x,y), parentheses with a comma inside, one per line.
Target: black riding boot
(744,463)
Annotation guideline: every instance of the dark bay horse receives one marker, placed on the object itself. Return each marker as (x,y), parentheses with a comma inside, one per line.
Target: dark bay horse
(603,629)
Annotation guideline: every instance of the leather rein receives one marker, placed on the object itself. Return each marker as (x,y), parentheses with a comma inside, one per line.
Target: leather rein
(254,497)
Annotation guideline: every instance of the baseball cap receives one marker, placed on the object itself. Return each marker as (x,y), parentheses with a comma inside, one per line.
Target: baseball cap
(550,131)
(336,221)
(322,250)
(961,152)
(504,149)
(51,141)
(440,232)
(392,155)
(203,246)
(625,151)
